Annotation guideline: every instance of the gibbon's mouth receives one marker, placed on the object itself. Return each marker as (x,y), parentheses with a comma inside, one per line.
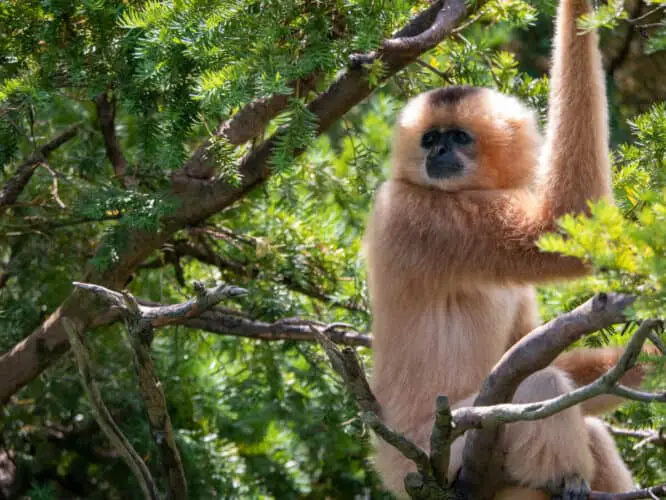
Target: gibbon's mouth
(443,166)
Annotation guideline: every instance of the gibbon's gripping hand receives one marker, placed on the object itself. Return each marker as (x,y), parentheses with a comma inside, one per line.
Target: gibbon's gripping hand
(571,487)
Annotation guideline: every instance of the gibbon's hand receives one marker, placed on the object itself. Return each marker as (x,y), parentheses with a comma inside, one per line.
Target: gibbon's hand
(571,487)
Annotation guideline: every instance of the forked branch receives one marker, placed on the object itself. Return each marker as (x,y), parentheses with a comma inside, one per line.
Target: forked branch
(103,416)
(140,323)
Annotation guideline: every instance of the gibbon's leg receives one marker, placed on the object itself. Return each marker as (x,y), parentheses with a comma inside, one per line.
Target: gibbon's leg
(542,451)
(546,451)
(611,475)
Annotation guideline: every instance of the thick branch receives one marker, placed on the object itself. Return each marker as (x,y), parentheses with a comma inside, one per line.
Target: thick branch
(407,44)
(11,191)
(103,416)
(480,475)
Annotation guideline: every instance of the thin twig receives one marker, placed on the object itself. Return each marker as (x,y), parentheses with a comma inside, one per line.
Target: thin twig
(646,15)
(439,73)
(54,184)
(13,188)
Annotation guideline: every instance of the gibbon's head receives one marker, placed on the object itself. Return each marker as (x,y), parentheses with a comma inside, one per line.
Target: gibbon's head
(457,138)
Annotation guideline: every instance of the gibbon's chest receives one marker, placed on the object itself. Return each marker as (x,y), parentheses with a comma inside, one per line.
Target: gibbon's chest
(469,329)
(445,343)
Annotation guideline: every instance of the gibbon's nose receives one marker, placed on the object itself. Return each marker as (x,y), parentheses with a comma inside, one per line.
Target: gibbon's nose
(441,149)
(442,162)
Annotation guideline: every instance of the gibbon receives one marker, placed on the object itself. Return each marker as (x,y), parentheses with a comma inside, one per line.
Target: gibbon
(452,259)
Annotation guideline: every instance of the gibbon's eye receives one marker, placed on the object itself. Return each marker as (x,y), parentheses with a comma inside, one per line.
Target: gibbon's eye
(430,138)
(460,137)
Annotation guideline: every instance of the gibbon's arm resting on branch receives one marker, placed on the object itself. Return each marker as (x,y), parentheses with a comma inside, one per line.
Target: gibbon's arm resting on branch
(452,256)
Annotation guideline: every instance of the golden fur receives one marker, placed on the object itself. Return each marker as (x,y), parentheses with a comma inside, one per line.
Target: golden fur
(452,262)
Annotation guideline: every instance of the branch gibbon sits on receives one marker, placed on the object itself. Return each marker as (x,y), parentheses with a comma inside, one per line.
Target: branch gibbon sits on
(452,260)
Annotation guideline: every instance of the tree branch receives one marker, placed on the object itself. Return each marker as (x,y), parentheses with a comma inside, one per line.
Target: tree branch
(646,437)
(103,416)
(225,322)
(13,188)
(199,314)
(482,417)
(106,113)
(539,348)
(404,43)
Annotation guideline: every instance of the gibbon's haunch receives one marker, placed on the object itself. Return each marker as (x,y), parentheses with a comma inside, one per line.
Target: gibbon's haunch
(452,260)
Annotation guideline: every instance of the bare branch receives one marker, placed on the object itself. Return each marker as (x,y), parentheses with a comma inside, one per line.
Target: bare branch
(225,322)
(441,439)
(103,416)
(140,322)
(152,393)
(491,416)
(11,191)
(166,315)
(636,395)
(400,442)
(646,436)
(407,44)
(54,183)
(348,366)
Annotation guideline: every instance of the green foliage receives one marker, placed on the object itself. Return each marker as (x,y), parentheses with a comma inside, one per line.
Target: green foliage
(625,242)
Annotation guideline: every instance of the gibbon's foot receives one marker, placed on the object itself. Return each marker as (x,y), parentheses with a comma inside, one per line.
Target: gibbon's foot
(571,487)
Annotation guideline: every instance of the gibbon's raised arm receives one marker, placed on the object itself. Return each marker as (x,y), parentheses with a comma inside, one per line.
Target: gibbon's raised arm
(575,158)
(482,235)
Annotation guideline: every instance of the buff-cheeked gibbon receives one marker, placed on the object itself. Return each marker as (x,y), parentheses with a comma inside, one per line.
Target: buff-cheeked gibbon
(452,259)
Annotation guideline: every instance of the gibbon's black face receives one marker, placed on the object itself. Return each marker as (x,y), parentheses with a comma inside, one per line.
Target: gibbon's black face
(447,150)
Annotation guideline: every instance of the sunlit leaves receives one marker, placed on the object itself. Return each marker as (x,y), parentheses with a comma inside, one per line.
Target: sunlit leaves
(627,243)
